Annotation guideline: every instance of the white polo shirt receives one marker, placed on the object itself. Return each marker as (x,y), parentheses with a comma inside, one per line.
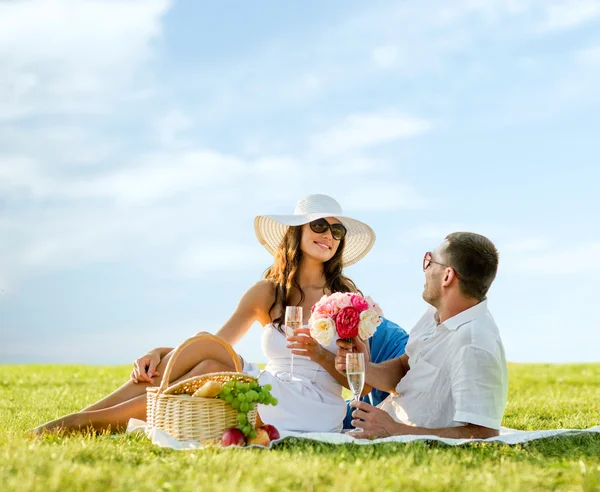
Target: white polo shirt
(457,375)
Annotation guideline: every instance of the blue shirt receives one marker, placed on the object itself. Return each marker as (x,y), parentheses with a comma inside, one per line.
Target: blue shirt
(387,343)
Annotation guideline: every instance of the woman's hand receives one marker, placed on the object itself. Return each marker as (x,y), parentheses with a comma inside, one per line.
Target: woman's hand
(144,368)
(344,348)
(303,344)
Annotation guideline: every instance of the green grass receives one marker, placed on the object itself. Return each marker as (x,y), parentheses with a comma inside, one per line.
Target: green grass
(540,396)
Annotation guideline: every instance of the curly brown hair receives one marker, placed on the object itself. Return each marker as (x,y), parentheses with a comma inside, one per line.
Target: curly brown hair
(285,271)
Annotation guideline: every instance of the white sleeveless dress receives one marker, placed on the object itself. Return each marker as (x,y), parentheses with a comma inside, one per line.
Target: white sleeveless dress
(313,404)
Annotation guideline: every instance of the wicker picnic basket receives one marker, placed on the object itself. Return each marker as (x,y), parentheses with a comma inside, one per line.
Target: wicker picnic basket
(192,418)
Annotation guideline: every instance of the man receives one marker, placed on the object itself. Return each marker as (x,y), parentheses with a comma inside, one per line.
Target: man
(452,380)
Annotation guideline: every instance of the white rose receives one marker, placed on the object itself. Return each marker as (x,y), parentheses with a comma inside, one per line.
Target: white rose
(322,330)
(369,321)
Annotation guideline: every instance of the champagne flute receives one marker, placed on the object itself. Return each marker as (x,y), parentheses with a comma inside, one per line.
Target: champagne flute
(355,372)
(293,321)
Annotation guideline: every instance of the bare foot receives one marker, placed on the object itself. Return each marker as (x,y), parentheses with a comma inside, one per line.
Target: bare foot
(68,424)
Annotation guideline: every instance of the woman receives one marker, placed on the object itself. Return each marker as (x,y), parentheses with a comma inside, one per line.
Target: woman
(310,248)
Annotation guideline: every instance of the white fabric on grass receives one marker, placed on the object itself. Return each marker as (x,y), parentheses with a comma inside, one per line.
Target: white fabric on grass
(507,436)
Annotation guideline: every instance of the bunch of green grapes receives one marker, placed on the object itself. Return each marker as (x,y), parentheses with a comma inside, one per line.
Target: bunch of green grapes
(243,397)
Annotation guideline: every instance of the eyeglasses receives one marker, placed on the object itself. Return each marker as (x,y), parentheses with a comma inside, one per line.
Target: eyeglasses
(427,261)
(338,231)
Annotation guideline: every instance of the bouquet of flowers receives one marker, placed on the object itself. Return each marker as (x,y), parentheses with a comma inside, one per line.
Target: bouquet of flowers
(345,313)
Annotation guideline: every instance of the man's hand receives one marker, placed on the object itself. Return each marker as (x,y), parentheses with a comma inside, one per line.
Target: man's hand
(304,344)
(144,368)
(344,348)
(374,422)
(377,423)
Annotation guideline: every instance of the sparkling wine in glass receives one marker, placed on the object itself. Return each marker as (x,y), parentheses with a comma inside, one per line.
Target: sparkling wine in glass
(355,372)
(293,321)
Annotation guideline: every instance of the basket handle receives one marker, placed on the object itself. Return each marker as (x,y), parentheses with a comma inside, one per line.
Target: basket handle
(236,360)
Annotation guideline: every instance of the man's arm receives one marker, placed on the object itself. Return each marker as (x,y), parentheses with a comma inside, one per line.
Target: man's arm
(468,431)
(327,361)
(378,423)
(384,376)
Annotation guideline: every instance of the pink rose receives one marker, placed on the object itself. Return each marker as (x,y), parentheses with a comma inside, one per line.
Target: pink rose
(336,305)
(342,299)
(359,303)
(373,305)
(318,304)
(324,309)
(346,322)
(319,313)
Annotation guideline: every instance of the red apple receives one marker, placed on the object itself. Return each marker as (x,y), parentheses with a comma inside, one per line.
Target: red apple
(233,437)
(262,438)
(272,431)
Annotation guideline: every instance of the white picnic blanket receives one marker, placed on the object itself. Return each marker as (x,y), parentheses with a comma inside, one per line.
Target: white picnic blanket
(507,436)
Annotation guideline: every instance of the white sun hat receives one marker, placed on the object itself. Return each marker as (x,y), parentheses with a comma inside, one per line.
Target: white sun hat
(360,238)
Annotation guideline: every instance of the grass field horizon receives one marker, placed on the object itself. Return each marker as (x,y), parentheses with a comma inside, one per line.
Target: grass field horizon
(541,396)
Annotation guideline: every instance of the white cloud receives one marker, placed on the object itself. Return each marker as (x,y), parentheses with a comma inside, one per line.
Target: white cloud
(589,55)
(501,234)
(385,56)
(365,130)
(270,167)
(433,232)
(58,237)
(171,126)
(209,257)
(3,286)
(71,56)
(19,172)
(75,145)
(572,260)
(159,204)
(383,196)
(569,14)
(153,178)
(164,175)
(526,244)
(360,165)
(147,179)
(289,73)
(311,82)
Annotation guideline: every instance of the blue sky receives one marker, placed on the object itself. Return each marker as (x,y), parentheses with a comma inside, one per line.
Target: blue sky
(138,139)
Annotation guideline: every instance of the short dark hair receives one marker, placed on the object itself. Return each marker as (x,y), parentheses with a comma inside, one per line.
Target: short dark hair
(475,259)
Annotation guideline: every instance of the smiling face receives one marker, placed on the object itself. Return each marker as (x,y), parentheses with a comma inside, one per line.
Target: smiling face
(320,247)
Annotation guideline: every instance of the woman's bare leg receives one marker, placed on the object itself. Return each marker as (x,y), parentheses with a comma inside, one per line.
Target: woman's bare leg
(115,418)
(190,357)
(109,419)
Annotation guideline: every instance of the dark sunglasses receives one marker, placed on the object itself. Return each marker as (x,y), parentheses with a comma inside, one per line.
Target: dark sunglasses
(427,261)
(338,231)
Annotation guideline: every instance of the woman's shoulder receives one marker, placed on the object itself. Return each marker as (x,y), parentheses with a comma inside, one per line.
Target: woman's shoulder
(258,300)
(262,292)
(264,287)
(260,297)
